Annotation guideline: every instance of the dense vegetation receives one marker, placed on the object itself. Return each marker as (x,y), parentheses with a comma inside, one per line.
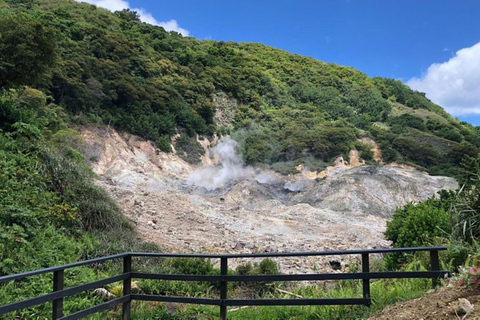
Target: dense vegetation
(50,210)
(111,68)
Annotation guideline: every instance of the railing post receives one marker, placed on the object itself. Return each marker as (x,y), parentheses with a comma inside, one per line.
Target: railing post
(434,266)
(57,311)
(223,288)
(127,287)
(366,282)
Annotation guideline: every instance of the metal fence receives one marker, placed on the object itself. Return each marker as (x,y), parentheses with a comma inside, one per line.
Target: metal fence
(59,292)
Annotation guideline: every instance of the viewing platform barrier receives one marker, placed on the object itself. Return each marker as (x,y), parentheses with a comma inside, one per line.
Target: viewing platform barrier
(59,292)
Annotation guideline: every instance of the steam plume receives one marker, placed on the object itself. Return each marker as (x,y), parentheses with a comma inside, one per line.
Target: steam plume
(230,169)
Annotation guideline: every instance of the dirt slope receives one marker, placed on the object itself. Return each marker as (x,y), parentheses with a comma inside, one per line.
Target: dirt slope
(439,305)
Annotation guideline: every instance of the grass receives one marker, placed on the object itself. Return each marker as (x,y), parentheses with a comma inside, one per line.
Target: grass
(383,292)
(399,109)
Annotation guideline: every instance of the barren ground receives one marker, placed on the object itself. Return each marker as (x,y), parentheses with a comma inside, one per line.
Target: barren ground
(340,209)
(439,305)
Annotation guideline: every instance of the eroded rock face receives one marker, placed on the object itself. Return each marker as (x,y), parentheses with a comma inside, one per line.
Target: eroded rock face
(265,213)
(130,162)
(375,190)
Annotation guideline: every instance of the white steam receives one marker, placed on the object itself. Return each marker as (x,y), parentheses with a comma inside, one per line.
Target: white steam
(297,185)
(230,169)
(267,177)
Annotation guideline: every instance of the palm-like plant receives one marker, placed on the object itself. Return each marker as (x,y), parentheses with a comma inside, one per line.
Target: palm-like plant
(466,208)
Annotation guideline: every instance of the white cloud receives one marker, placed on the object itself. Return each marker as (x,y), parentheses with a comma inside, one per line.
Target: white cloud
(172,25)
(455,84)
(112,5)
(145,16)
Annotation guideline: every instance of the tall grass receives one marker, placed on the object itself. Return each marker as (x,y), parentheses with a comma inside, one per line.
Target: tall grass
(383,292)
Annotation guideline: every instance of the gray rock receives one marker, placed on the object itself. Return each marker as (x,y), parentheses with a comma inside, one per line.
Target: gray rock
(374,190)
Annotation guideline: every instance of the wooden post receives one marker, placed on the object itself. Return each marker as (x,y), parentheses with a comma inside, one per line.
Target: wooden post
(223,288)
(127,287)
(57,311)
(434,266)
(366,282)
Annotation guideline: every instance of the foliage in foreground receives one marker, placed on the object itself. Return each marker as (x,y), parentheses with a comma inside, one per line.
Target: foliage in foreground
(453,219)
(51,213)
(384,292)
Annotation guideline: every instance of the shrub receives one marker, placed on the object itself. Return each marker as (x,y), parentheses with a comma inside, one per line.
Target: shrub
(194,266)
(73,180)
(164,143)
(365,151)
(366,154)
(406,120)
(265,267)
(416,226)
(189,266)
(285,168)
(466,211)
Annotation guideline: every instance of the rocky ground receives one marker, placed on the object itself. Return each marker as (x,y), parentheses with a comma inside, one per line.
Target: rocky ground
(443,304)
(339,209)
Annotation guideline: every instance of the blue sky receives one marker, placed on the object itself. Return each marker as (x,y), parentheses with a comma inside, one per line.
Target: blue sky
(428,44)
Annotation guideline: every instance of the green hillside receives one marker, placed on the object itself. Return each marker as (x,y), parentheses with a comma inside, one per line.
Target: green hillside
(110,68)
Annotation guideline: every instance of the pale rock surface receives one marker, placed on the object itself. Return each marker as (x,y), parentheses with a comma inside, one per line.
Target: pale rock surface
(347,209)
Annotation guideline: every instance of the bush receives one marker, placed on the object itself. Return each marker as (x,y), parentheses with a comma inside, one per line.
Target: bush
(193,266)
(164,143)
(365,151)
(73,180)
(457,253)
(366,155)
(406,120)
(265,267)
(466,212)
(416,226)
(285,168)
(186,266)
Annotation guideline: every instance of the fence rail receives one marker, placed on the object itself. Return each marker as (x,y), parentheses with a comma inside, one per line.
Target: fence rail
(59,292)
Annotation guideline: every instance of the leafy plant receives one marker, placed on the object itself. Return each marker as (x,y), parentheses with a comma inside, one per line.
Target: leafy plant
(416,226)
(265,267)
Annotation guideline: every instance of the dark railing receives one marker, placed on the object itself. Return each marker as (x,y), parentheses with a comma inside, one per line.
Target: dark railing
(59,292)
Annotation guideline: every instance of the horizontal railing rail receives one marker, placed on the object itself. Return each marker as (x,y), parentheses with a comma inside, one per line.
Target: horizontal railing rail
(59,292)
(62,267)
(294,277)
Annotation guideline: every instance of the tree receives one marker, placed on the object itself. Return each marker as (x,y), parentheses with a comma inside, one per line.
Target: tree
(128,15)
(27,50)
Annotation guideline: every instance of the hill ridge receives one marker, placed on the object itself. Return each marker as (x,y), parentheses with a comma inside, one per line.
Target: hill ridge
(111,68)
